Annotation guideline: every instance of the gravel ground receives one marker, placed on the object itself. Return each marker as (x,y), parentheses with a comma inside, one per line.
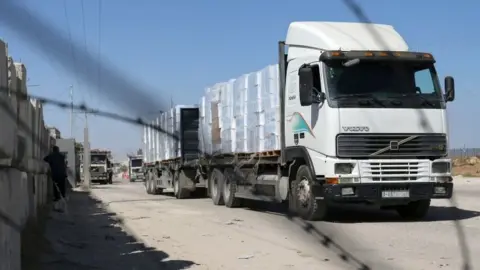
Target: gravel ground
(121,227)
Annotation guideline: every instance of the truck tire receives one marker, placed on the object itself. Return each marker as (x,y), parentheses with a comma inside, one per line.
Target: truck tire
(148,186)
(229,189)
(304,202)
(178,190)
(416,210)
(215,182)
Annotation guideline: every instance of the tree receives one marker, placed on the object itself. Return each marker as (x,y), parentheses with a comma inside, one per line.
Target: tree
(123,168)
(78,146)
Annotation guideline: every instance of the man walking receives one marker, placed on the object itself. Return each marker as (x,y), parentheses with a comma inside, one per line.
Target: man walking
(58,170)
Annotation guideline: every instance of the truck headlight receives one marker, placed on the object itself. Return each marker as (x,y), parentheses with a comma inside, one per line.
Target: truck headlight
(441,167)
(343,168)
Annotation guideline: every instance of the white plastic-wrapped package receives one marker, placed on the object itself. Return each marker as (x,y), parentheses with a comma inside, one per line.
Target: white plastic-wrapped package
(227,119)
(145,145)
(157,138)
(170,142)
(161,138)
(170,130)
(272,108)
(213,114)
(152,141)
(241,115)
(202,124)
(166,142)
(240,97)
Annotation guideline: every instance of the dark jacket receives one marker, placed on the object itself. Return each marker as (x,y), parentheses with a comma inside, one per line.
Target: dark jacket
(57,164)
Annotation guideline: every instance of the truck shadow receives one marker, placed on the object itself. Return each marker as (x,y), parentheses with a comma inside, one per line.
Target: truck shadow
(89,237)
(372,214)
(365,213)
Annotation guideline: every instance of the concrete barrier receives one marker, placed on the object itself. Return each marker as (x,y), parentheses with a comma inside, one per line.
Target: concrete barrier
(25,188)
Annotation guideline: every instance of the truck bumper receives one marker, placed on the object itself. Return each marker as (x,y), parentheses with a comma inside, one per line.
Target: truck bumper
(375,192)
(98,178)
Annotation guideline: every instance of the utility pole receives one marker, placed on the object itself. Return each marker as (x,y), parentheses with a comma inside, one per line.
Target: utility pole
(71,111)
(86,155)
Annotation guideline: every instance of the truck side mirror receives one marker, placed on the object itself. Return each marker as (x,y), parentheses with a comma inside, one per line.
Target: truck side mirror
(306,85)
(449,89)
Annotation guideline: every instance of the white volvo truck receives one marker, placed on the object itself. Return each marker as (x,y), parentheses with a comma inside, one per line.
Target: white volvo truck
(365,116)
(363,121)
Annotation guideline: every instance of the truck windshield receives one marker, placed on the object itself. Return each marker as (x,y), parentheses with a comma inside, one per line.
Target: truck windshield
(384,84)
(137,162)
(98,159)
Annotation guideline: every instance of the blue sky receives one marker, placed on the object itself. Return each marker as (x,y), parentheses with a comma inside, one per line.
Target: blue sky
(174,49)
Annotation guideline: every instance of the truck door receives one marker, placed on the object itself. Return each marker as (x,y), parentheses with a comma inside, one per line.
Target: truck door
(304,123)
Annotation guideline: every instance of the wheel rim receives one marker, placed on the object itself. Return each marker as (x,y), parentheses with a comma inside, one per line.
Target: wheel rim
(304,192)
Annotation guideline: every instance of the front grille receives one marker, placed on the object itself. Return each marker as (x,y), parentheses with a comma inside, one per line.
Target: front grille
(391,145)
(384,170)
(97,169)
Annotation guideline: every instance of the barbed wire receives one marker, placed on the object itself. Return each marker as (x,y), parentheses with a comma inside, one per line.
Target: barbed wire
(12,18)
(358,11)
(325,240)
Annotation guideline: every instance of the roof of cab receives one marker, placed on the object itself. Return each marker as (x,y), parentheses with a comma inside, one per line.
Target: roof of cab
(345,36)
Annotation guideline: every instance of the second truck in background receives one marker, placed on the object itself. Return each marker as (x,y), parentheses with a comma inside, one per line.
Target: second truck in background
(100,166)
(346,116)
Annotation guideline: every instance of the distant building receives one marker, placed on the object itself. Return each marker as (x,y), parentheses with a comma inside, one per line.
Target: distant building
(54,132)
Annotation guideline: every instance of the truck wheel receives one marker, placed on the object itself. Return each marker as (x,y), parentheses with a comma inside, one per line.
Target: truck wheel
(148,186)
(416,210)
(229,189)
(178,190)
(304,202)
(216,181)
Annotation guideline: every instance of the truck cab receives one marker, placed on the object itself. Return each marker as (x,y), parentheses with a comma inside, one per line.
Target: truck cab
(136,169)
(100,167)
(366,115)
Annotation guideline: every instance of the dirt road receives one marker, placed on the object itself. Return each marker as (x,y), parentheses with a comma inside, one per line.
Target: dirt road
(195,234)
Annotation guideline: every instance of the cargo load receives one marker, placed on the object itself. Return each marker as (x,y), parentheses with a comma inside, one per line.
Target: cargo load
(241,115)
(181,126)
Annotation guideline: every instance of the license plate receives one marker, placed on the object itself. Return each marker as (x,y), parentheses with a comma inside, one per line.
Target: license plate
(395,194)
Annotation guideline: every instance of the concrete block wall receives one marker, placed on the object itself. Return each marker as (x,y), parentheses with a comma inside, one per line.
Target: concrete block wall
(25,188)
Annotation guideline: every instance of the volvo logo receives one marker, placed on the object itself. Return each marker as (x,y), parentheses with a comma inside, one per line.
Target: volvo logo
(356,129)
(394,145)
